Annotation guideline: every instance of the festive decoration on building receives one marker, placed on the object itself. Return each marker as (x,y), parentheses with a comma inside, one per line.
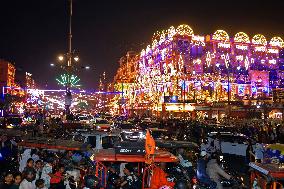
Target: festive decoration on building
(259,39)
(221,35)
(199,69)
(65,79)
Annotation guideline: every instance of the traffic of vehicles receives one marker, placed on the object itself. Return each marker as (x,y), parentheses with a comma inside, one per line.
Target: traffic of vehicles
(119,141)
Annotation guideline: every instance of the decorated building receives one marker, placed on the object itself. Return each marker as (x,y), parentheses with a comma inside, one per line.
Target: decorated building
(182,72)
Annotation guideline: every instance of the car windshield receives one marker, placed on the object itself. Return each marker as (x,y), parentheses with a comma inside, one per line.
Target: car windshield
(14,120)
(126,126)
(103,121)
(83,118)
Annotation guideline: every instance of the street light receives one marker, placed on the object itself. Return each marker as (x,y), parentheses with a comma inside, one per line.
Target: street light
(60,58)
(76,58)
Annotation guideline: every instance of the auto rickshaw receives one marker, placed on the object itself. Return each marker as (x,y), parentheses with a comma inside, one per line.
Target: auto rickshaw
(270,176)
(129,155)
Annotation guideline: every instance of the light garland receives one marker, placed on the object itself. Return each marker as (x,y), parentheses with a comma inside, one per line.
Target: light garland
(162,64)
(259,39)
(241,37)
(221,35)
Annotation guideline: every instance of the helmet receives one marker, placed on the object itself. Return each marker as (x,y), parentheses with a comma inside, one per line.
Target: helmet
(181,184)
(91,181)
(203,153)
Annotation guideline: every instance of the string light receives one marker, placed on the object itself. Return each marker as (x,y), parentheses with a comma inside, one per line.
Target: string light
(221,35)
(259,39)
(241,37)
(276,42)
(184,30)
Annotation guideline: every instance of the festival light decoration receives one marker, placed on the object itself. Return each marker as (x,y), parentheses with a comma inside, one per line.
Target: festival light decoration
(276,42)
(259,39)
(161,65)
(247,63)
(184,30)
(241,37)
(221,35)
(171,32)
(208,58)
(65,78)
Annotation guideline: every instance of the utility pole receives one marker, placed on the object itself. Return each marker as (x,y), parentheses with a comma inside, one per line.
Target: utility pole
(68,97)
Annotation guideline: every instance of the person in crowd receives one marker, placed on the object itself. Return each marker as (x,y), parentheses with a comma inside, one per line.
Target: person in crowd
(47,171)
(128,181)
(30,165)
(24,158)
(34,154)
(67,161)
(91,182)
(56,181)
(259,153)
(160,177)
(214,171)
(38,169)
(217,144)
(113,178)
(184,162)
(249,152)
(28,183)
(8,181)
(17,181)
(201,171)
(40,184)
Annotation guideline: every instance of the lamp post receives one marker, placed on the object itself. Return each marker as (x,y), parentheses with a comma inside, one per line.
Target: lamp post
(68,67)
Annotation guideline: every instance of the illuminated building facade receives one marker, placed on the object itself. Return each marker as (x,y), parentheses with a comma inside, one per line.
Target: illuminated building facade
(7,73)
(180,70)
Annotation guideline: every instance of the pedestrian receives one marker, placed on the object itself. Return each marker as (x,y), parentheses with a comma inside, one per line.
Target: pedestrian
(259,151)
(56,181)
(8,181)
(28,183)
(47,171)
(40,184)
(38,169)
(17,181)
(29,166)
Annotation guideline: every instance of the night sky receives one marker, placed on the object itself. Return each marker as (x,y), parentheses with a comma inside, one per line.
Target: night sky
(34,32)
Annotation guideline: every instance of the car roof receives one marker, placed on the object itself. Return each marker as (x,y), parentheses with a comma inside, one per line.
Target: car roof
(97,133)
(226,134)
(110,155)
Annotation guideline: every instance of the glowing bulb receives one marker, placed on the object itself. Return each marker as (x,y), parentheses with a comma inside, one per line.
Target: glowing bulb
(238,67)
(60,58)
(76,58)
(218,65)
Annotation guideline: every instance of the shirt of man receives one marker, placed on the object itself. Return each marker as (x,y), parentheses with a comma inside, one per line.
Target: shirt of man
(47,169)
(27,185)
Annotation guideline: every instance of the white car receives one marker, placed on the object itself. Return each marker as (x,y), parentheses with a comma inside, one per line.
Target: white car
(231,143)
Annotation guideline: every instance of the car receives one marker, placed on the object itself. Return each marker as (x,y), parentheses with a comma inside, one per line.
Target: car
(97,140)
(129,131)
(85,120)
(231,143)
(101,124)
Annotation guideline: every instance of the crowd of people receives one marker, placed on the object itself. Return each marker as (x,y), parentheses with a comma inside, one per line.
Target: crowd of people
(36,168)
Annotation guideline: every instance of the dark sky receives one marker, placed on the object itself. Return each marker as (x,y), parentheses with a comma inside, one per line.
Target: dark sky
(33,32)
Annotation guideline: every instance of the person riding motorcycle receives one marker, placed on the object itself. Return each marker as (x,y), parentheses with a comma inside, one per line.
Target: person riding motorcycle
(186,164)
(201,174)
(214,171)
